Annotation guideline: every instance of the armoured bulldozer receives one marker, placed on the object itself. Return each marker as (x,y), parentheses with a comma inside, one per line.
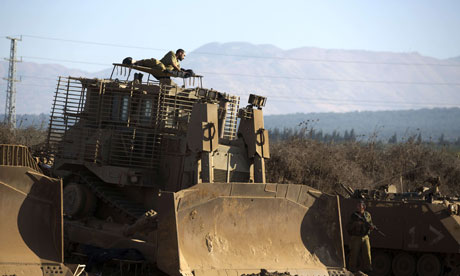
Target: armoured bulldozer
(175,175)
(31,230)
(422,230)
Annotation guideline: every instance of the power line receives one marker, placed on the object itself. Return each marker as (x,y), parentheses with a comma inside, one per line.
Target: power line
(34,85)
(35,77)
(369,102)
(66,60)
(320,100)
(335,80)
(94,43)
(44,78)
(293,98)
(332,60)
(277,77)
(47,86)
(247,56)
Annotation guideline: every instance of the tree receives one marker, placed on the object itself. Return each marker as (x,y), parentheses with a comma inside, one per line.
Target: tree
(352,135)
(274,134)
(441,140)
(346,136)
(393,139)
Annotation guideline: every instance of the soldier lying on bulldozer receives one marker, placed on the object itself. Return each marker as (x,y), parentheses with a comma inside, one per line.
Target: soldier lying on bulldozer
(168,65)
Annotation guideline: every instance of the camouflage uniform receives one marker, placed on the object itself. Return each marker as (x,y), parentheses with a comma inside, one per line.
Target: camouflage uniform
(359,241)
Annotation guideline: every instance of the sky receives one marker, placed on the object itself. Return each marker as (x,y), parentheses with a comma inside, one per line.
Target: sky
(149,28)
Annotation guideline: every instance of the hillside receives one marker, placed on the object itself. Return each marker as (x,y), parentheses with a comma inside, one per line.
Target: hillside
(454,59)
(325,80)
(296,80)
(35,91)
(430,123)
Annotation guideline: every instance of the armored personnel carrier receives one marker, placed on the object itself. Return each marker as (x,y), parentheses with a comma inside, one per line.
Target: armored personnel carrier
(177,175)
(422,230)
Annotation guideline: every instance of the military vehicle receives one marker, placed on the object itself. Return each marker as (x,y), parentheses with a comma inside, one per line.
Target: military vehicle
(176,173)
(31,230)
(422,230)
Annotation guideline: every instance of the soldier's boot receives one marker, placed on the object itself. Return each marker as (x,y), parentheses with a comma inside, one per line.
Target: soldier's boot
(127,61)
(138,77)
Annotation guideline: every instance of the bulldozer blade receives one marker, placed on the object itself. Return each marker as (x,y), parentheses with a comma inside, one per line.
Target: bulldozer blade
(31,217)
(235,229)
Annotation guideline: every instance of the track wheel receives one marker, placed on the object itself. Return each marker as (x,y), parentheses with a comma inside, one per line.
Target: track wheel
(429,265)
(381,263)
(79,201)
(452,265)
(404,264)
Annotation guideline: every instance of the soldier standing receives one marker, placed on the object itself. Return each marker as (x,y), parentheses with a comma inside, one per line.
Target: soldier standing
(359,228)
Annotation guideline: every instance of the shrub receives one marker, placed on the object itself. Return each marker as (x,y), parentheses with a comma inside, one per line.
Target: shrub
(362,165)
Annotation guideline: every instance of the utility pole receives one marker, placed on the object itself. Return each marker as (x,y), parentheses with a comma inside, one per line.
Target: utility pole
(10,103)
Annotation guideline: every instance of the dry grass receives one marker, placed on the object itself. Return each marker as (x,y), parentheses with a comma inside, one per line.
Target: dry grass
(325,166)
(29,136)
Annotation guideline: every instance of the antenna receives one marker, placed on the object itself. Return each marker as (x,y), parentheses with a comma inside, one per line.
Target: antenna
(10,103)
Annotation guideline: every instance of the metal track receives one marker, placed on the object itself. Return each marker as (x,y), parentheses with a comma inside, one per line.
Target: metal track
(113,196)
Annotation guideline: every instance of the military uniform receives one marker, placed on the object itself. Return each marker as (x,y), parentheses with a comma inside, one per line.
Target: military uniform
(166,63)
(169,60)
(359,241)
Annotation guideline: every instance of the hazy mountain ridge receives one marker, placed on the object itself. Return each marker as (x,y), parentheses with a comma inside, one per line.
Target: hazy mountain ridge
(300,80)
(304,79)
(35,91)
(430,123)
(454,59)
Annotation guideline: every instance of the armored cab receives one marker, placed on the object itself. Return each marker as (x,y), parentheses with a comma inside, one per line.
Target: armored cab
(422,230)
(177,173)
